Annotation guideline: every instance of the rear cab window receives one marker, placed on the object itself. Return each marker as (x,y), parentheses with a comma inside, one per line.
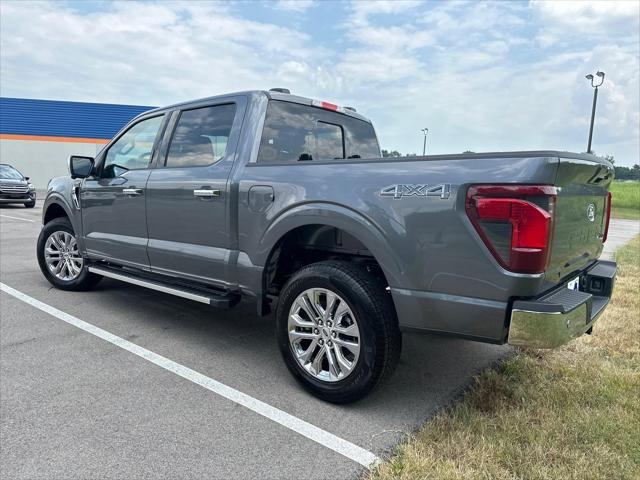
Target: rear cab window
(298,133)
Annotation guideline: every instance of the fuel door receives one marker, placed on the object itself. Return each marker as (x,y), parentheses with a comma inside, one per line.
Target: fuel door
(260,198)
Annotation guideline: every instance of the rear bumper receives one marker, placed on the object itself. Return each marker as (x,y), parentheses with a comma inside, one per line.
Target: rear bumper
(557,317)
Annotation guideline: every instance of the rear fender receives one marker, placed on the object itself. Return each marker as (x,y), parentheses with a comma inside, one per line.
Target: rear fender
(337,216)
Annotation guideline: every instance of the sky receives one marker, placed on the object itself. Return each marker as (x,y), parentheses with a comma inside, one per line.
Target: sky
(492,76)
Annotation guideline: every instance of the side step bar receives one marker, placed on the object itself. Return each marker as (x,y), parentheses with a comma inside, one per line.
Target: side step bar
(221,299)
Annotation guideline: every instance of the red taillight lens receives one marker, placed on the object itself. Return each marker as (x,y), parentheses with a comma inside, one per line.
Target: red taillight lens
(327,106)
(526,246)
(607,218)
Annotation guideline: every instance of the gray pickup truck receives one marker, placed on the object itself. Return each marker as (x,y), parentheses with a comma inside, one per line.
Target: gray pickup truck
(286,201)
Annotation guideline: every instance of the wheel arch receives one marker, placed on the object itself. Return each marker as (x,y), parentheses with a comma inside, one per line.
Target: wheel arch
(316,216)
(54,210)
(56,207)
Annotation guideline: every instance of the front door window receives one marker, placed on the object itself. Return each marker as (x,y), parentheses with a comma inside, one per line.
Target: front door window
(132,151)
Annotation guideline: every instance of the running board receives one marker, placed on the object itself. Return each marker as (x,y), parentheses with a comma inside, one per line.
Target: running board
(221,300)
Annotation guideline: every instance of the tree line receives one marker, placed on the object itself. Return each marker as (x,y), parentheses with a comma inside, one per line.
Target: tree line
(624,173)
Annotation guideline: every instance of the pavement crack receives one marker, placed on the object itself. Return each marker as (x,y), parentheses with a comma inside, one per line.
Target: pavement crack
(21,342)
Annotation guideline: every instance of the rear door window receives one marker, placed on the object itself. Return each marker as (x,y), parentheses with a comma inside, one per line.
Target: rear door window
(294,133)
(201,136)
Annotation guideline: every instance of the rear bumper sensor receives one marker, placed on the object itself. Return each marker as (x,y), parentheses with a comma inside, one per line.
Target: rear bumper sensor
(217,299)
(556,318)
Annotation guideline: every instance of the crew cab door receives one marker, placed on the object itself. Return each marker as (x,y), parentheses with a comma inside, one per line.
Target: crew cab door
(188,197)
(113,202)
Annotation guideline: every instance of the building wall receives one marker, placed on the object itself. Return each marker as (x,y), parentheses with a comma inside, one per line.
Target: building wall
(37,136)
(43,160)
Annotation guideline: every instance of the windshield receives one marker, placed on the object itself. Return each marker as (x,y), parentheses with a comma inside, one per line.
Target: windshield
(9,173)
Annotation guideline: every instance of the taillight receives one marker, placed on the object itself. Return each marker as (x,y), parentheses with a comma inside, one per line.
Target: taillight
(515,222)
(607,218)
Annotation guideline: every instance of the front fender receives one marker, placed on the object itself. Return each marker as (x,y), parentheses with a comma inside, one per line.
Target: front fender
(60,193)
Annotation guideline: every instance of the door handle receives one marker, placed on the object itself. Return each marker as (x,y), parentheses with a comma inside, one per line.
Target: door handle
(206,193)
(132,192)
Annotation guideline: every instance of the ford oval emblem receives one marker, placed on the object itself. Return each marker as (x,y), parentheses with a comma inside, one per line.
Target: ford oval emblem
(591,212)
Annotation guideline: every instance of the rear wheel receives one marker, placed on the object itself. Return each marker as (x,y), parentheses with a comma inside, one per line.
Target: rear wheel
(59,258)
(337,330)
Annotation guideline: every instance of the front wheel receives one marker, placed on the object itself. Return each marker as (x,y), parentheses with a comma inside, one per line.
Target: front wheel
(30,204)
(59,258)
(337,330)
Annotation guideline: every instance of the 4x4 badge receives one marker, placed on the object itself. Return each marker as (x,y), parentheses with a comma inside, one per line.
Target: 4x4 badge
(417,190)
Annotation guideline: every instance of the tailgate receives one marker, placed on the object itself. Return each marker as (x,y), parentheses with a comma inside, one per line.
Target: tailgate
(581,205)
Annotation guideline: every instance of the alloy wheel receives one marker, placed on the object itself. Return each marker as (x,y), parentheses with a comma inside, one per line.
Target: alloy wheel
(324,334)
(62,256)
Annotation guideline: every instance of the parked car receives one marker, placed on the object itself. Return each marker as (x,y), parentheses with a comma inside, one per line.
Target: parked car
(286,201)
(15,187)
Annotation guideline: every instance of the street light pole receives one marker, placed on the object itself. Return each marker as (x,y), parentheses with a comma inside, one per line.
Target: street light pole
(424,145)
(595,99)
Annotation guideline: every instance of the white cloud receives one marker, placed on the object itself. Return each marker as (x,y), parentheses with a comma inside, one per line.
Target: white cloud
(588,15)
(481,76)
(320,78)
(481,82)
(293,5)
(562,22)
(362,10)
(141,52)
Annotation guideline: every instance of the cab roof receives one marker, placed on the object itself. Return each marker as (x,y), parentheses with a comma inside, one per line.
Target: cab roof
(271,95)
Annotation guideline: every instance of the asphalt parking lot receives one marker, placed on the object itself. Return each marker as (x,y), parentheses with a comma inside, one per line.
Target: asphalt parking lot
(202,393)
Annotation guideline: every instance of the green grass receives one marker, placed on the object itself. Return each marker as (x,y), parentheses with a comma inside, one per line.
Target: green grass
(626,200)
(569,413)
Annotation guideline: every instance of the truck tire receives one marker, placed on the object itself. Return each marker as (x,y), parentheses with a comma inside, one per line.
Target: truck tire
(353,342)
(59,259)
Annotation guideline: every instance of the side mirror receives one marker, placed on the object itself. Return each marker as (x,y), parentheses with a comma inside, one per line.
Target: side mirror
(26,178)
(80,167)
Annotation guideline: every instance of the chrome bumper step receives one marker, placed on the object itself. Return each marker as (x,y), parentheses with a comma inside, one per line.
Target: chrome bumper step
(562,315)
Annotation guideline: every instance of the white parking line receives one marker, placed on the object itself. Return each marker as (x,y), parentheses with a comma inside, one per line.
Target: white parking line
(324,438)
(17,218)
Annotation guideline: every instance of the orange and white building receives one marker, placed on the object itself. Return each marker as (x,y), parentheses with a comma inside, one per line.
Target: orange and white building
(37,136)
